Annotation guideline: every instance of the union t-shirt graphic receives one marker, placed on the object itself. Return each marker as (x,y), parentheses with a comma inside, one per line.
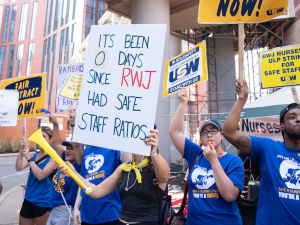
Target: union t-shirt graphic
(93,163)
(290,173)
(203,178)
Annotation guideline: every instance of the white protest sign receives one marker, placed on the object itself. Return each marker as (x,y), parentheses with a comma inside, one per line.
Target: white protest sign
(9,101)
(120,85)
(63,71)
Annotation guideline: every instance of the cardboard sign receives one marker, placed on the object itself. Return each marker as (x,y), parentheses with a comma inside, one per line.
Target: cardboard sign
(118,98)
(280,67)
(32,94)
(240,11)
(71,87)
(9,100)
(186,69)
(63,71)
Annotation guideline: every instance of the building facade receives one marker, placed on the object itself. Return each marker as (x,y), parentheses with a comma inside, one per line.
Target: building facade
(37,35)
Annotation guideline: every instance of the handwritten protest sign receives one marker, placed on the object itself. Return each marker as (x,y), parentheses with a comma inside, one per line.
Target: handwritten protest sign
(240,11)
(32,94)
(280,67)
(9,100)
(71,87)
(63,71)
(186,69)
(117,103)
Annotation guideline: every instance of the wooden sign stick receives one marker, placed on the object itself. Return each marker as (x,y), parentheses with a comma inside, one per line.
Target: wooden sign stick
(295,95)
(241,55)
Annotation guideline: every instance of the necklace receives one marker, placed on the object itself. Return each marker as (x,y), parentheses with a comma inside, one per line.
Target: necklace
(128,188)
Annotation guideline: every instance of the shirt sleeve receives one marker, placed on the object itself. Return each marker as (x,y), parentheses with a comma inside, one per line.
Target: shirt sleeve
(191,151)
(235,172)
(257,147)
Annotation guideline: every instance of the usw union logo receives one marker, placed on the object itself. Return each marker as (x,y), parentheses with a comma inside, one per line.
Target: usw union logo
(184,70)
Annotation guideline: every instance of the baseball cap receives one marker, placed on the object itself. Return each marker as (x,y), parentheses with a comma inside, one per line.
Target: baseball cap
(65,143)
(210,122)
(288,108)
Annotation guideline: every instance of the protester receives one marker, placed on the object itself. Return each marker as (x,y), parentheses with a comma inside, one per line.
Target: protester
(35,208)
(62,186)
(217,177)
(140,202)
(97,165)
(279,162)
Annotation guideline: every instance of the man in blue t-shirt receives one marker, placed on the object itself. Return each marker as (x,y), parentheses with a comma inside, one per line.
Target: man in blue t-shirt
(279,199)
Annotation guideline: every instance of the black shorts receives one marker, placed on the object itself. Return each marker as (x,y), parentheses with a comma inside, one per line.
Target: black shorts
(109,223)
(30,210)
(141,223)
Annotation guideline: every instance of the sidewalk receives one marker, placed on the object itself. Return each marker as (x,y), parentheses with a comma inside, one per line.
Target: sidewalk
(10,205)
(8,155)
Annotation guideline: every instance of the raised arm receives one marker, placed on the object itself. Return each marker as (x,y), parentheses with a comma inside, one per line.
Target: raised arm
(39,173)
(104,188)
(20,162)
(176,135)
(56,137)
(77,215)
(230,132)
(161,167)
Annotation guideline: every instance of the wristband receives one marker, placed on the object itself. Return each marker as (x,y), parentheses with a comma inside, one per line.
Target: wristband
(153,154)
(72,125)
(29,160)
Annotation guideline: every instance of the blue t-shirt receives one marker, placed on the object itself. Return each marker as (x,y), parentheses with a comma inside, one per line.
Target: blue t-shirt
(279,198)
(67,185)
(38,192)
(206,205)
(97,165)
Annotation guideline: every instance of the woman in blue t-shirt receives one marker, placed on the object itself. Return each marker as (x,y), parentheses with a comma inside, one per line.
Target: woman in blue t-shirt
(35,208)
(217,177)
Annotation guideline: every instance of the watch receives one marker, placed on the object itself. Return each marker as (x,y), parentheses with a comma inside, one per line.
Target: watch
(29,160)
(153,154)
(72,125)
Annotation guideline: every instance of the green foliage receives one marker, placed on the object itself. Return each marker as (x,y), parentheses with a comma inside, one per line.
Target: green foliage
(3,144)
(15,144)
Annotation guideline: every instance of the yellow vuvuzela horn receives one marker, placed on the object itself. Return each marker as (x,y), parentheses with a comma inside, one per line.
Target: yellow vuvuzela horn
(38,138)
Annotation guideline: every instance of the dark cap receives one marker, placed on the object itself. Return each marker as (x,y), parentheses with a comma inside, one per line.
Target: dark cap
(212,122)
(288,108)
(65,143)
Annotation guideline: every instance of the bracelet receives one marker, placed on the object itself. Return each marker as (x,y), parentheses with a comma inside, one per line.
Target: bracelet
(72,125)
(153,154)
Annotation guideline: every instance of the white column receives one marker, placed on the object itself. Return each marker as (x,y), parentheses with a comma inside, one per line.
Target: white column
(157,12)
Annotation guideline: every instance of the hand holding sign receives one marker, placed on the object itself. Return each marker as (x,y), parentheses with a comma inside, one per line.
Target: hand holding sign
(242,88)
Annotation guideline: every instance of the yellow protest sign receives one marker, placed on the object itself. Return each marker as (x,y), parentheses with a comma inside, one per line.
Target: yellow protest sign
(71,87)
(280,67)
(240,11)
(32,94)
(186,69)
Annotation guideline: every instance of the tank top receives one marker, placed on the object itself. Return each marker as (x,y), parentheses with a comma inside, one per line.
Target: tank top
(39,192)
(139,205)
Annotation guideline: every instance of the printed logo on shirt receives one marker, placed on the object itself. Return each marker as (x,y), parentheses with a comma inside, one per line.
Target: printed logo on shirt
(203,178)
(93,162)
(59,182)
(290,173)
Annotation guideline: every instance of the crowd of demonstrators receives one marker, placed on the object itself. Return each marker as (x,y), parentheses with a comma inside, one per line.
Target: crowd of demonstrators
(279,162)
(140,202)
(35,208)
(217,177)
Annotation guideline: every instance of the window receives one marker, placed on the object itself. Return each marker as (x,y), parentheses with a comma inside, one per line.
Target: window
(89,17)
(10,1)
(45,28)
(61,45)
(74,9)
(67,46)
(23,22)
(50,17)
(19,58)
(56,16)
(2,58)
(52,69)
(12,23)
(48,60)
(44,54)
(72,36)
(33,20)
(62,20)
(30,56)
(5,25)
(10,61)
(102,9)
(67,11)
